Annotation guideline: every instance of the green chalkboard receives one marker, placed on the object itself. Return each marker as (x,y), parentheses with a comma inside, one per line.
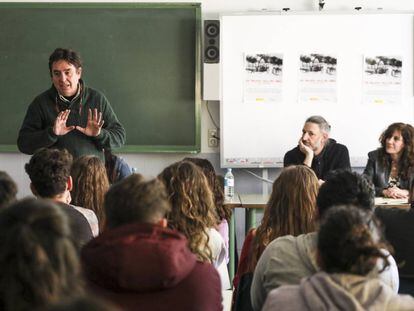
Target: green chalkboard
(144,57)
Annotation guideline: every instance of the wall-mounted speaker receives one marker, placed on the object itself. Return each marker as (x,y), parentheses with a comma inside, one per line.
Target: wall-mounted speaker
(211,41)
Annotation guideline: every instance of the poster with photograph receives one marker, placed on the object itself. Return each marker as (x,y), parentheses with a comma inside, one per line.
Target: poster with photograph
(382,79)
(263,78)
(317,78)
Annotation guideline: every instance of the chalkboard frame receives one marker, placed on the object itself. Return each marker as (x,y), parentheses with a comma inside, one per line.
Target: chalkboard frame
(135,148)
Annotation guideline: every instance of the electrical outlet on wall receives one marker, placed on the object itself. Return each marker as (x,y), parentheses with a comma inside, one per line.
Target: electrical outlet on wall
(212,138)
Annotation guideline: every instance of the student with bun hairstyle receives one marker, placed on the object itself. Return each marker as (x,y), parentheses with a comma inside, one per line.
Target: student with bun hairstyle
(347,251)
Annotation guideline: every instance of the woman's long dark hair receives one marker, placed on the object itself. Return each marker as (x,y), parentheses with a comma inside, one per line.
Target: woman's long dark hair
(406,161)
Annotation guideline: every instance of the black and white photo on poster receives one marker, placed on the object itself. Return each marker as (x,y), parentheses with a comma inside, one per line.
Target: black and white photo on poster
(263,77)
(317,78)
(382,79)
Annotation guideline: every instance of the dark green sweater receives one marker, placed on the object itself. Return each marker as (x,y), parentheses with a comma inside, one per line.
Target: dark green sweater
(37,128)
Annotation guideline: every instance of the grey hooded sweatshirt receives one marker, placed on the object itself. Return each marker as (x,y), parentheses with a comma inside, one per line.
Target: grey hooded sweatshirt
(346,292)
(288,259)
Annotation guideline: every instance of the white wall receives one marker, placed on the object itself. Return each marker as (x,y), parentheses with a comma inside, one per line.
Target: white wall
(152,164)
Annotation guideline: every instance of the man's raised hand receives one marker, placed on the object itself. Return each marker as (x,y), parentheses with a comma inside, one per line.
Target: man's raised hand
(59,127)
(94,124)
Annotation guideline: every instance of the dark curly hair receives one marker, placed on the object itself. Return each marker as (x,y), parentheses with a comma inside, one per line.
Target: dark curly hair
(68,55)
(349,241)
(135,199)
(49,170)
(8,189)
(343,187)
(406,161)
(39,264)
(223,212)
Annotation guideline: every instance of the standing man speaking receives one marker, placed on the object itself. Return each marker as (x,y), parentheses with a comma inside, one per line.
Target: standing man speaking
(70,115)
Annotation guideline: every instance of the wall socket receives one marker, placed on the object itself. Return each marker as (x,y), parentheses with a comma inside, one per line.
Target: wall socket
(212,138)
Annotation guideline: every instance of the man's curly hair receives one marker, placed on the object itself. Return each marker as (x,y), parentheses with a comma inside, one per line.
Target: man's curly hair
(49,170)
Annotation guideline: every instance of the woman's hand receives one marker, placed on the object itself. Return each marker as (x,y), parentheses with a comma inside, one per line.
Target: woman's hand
(395,193)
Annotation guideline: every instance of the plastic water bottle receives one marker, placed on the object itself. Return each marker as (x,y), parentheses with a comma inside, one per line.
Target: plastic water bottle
(229,185)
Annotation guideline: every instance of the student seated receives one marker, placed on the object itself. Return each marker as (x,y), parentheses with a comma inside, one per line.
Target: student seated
(8,190)
(348,249)
(193,213)
(116,167)
(291,210)
(90,183)
(391,167)
(223,212)
(140,264)
(49,173)
(38,261)
(288,259)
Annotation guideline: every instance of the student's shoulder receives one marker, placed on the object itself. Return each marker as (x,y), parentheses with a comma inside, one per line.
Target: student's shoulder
(289,250)
(291,241)
(204,286)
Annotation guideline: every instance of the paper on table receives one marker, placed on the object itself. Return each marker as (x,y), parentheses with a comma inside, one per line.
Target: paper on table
(381,200)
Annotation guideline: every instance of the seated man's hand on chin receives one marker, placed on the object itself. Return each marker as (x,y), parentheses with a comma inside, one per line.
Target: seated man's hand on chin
(307,151)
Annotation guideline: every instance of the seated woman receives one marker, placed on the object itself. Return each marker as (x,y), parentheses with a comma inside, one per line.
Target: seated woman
(291,210)
(391,166)
(193,214)
(39,264)
(348,249)
(224,213)
(90,184)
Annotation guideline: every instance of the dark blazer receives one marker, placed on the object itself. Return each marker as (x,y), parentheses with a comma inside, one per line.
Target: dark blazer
(379,173)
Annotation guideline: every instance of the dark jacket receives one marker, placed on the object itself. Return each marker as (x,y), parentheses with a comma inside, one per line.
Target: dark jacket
(147,267)
(333,156)
(37,128)
(379,173)
(399,231)
(79,225)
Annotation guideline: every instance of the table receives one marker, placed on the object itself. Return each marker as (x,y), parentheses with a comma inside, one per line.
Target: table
(389,203)
(252,202)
